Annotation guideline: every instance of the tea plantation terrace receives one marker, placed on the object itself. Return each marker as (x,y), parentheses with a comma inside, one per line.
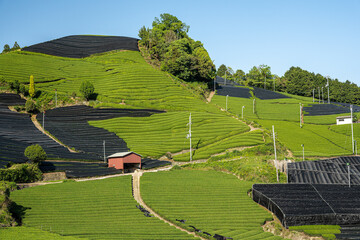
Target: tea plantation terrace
(18,132)
(70,126)
(80,46)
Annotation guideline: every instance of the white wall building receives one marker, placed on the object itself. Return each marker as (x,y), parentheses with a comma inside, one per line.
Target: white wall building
(343,120)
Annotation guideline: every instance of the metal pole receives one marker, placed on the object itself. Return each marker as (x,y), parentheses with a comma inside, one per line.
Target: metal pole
(190,137)
(355,147)
(352,129)
(104,151)
(328,91)
(348,164)
(242,112)
(322,90)
(313,95)
(225,77)
(303,148)
(55,98)
(276,164)
(300,115)
(43,121)
(319,94)
(254,106)
(226,101)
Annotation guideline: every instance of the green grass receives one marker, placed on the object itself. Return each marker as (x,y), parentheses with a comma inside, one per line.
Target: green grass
(212,201)
(166,132)
(326,231)
(101,209)
(21,233)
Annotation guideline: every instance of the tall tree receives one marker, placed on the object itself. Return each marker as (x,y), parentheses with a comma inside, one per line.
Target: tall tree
(32,86)
(15,47)
(169,47)
(221,70)
(6,48)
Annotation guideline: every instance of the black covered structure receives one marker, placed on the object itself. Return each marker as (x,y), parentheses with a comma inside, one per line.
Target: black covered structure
(310,204)
(264,94)
(18,132)
(80,46)
(325,109)
(70,126)
(234,91)
(329,171)
(225,82)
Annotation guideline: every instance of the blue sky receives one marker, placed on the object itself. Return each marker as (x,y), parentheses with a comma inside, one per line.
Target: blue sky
(319,36)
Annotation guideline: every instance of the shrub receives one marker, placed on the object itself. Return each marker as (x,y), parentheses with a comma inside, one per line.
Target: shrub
(21,173)
(87,89)
(35,153)
(30,106)
(32,86)
(15,86)
(6,219)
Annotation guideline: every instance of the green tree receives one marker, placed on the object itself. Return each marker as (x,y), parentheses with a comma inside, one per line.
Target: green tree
(221,70)
(87,89)
(32,86)
(15,47)
(168,46)
(35,153)
(30,106)
(6,48)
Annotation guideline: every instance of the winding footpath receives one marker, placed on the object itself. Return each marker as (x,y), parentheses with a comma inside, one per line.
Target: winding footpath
(137,196)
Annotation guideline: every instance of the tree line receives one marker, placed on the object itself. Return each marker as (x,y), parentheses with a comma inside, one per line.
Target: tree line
(168,46)
(295,81)
(8,49)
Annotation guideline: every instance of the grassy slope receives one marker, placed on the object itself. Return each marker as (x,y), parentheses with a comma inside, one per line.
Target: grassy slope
(101,209)
(124,75)
(319,138)
(21,233)
(211,201)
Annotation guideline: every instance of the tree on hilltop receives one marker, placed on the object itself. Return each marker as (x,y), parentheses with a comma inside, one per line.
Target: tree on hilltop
(169,47)
(15,47)
(6,48)
(35,153)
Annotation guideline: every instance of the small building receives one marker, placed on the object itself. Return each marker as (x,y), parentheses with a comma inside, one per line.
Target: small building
(343,120)
(125,161)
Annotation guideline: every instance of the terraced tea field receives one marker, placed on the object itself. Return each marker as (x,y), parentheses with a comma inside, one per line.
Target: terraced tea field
(214,202)
(166,132)
(101,209)
(319,138)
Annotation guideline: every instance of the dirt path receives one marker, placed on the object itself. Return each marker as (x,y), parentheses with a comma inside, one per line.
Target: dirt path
(137,196)
(38,126)
(212,93)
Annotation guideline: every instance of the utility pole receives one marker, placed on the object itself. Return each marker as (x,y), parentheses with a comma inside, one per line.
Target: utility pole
(352,129)
(254,106)
(319,95)
(214,84)
(104,152)
(189,136)
(303,148)
(300,114)
(348,165)
(313,95)
(322,89)
(43,121)
(55,98)
(226,101)
(328,90)
(242,112)
(225,77)
(276,164)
